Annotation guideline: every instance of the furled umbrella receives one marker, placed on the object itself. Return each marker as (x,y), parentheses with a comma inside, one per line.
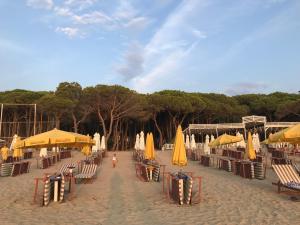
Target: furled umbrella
(137,142)
(187,142)
(256,142)
(149,151)
(4,152)
(179,151)
(206,147)
(142,141)
(43,152)
(250,151)
(193,142)
(14,140)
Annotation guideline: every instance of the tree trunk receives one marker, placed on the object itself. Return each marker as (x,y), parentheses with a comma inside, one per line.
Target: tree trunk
(159,130)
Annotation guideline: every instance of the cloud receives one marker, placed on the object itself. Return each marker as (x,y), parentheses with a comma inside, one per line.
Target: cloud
(133,65)
(71,32)
(199,34)
(63,11)
(80,4)
(137,23)
(95,17)
(246,88)
(40,4)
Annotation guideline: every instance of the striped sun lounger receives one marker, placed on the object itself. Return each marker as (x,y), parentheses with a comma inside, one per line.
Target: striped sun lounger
(64,169)
(88,172)
(188,187)
(288,177)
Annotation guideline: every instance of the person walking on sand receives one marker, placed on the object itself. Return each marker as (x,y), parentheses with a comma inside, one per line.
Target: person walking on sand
(114,160)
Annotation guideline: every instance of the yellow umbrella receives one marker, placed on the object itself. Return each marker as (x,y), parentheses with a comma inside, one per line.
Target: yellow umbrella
(55,137)
(4,152)
(86,150)
(149,151)
(179,153)
(17,153)
(291,134)
(250,152)
(225,139)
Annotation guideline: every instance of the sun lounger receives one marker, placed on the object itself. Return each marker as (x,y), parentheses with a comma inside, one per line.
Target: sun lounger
(188,186)
(65,168)
(156,173)
(288,177)
(6,169)
(177,190)
(88,172)
(144,173)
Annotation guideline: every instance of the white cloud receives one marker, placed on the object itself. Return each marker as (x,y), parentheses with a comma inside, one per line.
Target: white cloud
(63,11)
(137,23)
(71,32)
(199,34)
(40,4)
(125,11)
(80,4)
(95,17)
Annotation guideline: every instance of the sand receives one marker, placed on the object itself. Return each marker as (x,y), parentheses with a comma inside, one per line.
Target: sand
(118,197)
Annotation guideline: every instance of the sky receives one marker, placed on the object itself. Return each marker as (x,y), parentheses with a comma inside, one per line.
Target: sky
(231,47)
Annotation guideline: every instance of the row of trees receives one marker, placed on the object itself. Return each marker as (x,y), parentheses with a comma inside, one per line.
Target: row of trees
(119,113)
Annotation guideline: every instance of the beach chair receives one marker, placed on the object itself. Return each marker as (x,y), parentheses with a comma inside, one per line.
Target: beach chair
(6,169)
(25,167)
(288,177)
(65,168)
(144,173)
(156,173)
(88,173)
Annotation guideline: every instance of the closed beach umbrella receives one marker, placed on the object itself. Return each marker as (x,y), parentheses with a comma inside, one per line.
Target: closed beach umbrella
(86,150)
(224,139)
(102,147)
(193,142)
(187,142)
(250,152)
(43,152)
(149,150)
(179,152)
(14,140)
(206,147)
(18,152)
(137,142)
(256,142)
(142,141)
(4,152)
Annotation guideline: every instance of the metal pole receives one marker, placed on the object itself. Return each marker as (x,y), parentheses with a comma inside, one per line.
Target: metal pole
(34,123)
(1,119)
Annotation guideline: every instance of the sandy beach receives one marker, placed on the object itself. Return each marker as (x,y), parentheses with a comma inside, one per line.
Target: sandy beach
(118,197)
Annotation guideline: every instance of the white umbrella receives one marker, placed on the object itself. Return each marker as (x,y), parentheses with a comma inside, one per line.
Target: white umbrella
(137,142)
(142,141)
(94,147)
(13,142)
(43,152)
(193,142)
(206,147)
(102,145)
(256,142)
(242,143)
(97,146)
(54,149)
(187,142)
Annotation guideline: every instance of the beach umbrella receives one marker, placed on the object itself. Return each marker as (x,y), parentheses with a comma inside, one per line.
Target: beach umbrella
(291,134)
(224,139)
(187,142)
(193,142)
(55,137)
(97,146)
(250,151)
(206,147)
(14,140)
(4,152)
(102,147)
(179,152)
(17,152)
(142,141)
(149,151)
(242,143)
(43,152)
(86,150)
(137,142)
(256,142)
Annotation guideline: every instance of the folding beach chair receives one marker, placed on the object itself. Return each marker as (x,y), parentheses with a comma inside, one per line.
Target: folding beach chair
(88,172)
(288,177)
(65,168)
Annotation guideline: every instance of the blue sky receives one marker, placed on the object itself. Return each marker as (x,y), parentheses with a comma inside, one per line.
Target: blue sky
(231,47)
